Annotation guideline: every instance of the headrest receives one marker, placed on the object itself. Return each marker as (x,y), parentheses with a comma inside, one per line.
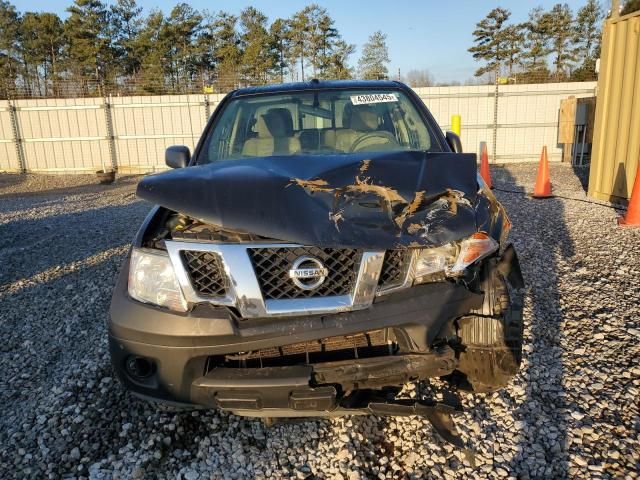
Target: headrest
(364,118)
(279,122)
(261,127)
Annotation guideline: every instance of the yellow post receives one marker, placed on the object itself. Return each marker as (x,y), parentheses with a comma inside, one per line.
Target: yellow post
(455,124)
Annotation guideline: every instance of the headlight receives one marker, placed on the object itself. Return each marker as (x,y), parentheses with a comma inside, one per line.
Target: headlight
(152,280)
(472,249)
(433,264)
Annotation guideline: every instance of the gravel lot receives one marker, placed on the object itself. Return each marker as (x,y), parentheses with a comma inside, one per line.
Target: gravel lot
(572,412)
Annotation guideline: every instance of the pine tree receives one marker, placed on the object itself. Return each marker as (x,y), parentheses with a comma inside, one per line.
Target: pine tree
(29,55)
(206,49)
(227,48)
(125,25)
(9,40)
(587,34)
(299,28)
(536,46)
(117,47)
(322,35)
(181,32)
(154,50)
(561,34)
(42,42)
(279,35)
(490,42)
(512,38)
(375,57)
(257,57)
(337,64)
(89,50)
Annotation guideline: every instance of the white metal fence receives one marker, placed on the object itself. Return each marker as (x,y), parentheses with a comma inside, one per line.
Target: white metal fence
(83,135)
(527,117)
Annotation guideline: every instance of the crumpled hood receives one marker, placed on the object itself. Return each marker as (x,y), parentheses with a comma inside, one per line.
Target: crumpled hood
(364,200)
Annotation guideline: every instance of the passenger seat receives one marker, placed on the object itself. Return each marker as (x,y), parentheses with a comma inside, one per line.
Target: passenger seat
(275,135)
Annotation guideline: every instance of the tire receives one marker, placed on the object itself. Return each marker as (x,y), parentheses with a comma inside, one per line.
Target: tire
(490,337)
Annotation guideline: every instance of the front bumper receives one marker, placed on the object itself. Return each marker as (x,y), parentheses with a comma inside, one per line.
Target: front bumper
(307,388)
(180,345)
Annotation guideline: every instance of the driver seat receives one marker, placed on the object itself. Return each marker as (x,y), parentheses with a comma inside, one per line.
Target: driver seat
(356,120)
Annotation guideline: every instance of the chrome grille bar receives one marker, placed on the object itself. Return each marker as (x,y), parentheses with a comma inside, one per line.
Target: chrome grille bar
(244,290)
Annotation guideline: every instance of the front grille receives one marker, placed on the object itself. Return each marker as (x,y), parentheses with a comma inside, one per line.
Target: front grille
(346,347)
(272,267)
(394,268)
(206,273)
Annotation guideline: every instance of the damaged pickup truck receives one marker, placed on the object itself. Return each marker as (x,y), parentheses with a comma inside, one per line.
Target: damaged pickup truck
(324,245)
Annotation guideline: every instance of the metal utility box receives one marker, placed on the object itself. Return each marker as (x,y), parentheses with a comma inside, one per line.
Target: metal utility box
(616,140)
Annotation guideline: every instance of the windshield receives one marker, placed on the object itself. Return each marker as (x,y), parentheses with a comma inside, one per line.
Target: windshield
(317,123)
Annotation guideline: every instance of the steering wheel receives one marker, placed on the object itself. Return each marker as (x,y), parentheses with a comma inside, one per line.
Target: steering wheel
(369,135)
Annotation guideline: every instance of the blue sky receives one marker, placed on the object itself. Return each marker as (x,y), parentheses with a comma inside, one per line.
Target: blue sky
(424,34)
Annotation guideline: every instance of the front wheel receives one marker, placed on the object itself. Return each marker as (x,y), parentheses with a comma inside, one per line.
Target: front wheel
(491,337)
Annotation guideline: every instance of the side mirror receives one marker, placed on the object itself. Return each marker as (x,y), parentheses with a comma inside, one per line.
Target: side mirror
(454,142)
(177,156)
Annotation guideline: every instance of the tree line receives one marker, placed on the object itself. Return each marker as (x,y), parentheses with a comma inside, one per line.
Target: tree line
(117,47)
(552,45)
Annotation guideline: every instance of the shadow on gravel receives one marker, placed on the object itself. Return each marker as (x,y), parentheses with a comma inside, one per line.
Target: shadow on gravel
(13,180)
(61,402)
(541,238)
(10,180)
(582,174)
(30,246)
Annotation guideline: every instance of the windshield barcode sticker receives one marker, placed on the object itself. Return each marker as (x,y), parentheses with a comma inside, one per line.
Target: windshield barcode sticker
(373,98)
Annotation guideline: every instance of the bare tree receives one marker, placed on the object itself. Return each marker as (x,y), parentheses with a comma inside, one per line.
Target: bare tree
(418,78)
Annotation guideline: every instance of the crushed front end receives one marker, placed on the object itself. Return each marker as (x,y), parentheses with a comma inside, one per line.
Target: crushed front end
(249,324)
(313,268)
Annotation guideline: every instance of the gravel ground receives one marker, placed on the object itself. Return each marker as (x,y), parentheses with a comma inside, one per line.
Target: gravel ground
(572,411)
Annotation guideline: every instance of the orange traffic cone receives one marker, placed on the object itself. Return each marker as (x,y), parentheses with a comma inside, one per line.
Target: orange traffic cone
(484,167)
(543,184)
(632,218)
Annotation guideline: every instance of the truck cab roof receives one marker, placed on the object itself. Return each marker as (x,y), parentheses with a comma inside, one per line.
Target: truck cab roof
(316,84)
